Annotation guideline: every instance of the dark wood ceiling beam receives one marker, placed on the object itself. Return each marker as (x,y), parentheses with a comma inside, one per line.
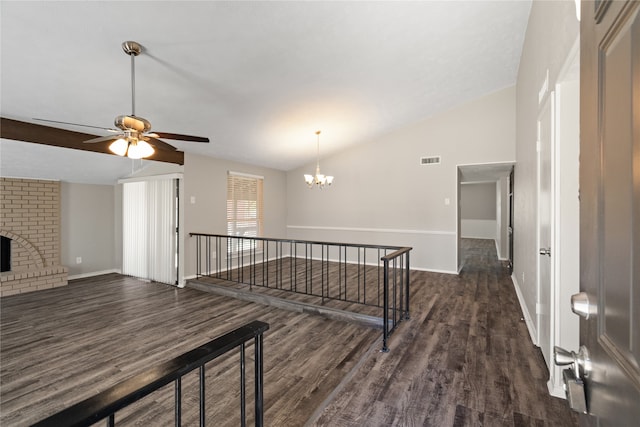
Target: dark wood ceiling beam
(40,134)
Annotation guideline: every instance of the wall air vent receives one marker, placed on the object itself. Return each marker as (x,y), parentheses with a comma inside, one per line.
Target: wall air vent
(430,160)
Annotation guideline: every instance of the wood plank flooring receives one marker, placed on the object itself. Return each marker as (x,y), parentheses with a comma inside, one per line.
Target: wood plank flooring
(60,346)
(464,357)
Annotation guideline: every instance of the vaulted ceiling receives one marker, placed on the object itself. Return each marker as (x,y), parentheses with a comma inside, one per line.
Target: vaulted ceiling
(257,78)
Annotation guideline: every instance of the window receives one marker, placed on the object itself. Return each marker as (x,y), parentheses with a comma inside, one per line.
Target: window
(244,209)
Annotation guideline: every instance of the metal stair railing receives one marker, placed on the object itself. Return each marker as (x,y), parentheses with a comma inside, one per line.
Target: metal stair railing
(106,403)
(372,275)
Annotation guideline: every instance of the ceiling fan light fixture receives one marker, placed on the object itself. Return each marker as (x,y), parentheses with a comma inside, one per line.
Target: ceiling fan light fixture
(139,149)
(119,147)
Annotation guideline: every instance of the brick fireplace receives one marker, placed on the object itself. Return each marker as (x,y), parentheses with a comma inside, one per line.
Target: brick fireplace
(30,218)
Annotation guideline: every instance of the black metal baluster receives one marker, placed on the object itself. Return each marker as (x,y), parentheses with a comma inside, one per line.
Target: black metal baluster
(339,271)
(265,250)
(358,274)
(395,291)
(345,274)
(178,402)
(243,403)
(279,258)
(378,277)
(208,256)
(295,267)
(202,402)
(230,252)
(241,261)
(364,278)
(311,268)
(290,266)
(198,256)
(218,259)
(385,316)
(267,262)
(111,420)
(322,273)
(258,382)
(408,272)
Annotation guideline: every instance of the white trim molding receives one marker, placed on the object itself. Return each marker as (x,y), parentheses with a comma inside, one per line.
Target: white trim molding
(372,230)
(151,178)
(246,175)
(525,312)
(94,273)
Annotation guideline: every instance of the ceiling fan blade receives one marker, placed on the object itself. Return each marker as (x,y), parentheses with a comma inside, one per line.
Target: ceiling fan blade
(178,136)
(102,139)
(161,145)
(76,124)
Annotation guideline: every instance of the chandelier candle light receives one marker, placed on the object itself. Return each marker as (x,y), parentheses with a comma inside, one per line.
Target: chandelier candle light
(319,179)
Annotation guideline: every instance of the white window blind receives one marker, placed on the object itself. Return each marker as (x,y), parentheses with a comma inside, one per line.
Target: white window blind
(149,230)
(244,209)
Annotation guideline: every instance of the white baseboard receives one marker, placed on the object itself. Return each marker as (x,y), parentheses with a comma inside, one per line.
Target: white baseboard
(431,270)
(525,312)
(94,273)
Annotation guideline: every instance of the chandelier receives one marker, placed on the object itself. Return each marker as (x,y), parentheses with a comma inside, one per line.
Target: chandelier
(318,179)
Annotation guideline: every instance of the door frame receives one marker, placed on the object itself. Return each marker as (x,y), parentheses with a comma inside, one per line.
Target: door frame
(565,265)
(179,233)
(564,326)
(491,176)
(548,98)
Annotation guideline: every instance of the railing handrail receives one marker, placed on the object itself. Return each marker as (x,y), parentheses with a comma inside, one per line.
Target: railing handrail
(109,401)
(309,242)
(396,254)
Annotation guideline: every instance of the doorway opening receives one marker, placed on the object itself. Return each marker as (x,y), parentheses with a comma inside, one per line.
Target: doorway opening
(484,207)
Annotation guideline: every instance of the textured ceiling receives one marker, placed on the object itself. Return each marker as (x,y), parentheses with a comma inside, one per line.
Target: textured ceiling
(257,78)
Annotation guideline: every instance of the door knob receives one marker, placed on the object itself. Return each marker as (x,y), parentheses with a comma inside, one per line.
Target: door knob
(582,306)
(580,361)
(562,357)
(545,251)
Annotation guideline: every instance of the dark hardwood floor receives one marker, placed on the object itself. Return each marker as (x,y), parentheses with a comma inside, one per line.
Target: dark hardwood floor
(464,357)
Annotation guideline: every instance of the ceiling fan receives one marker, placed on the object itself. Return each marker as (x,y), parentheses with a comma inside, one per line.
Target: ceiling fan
(133,138)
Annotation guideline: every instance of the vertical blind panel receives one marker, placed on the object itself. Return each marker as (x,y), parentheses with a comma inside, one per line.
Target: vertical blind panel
(149,230)
(162,231)
(134,229)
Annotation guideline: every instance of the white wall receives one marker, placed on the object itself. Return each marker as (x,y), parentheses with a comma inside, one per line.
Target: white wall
(205,181)
(502,218)
(382,194)
(88,228)
(551,32)
(478,214)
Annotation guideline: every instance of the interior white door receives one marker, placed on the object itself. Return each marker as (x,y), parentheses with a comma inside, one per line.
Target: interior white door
(609,362)
(543,309)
